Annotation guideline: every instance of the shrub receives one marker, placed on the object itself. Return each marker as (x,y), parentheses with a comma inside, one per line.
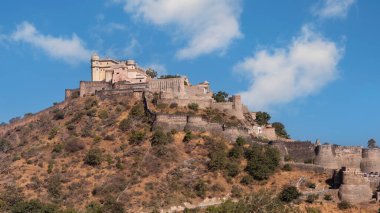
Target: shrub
(34,206)
(103,114)
(188,137)
(311,185)
(54,185)
(262,118)
(262,161)
(137,112)
(119,163)
(173,105)
(74,145)
(94,157)
(232,169)
(221,96)
(97,139)
(344,205)
(162,106)
(288,194)
(327,197)
(280,130)
(5,145)
(90,102)
(193,106)
(136,137)
(125,125)
(58,115)
(53,132)
(57,148)
(236,152)
(236,191)
(287,167)
(161,138)
(50,167)
(246,180)
(240,141)
(287,158)
(311,198)
(313,210)
(200,189)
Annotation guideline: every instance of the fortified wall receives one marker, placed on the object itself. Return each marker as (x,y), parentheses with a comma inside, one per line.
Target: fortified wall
(355,187)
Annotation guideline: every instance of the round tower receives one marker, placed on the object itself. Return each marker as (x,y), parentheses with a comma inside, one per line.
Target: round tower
(95,67)
(370,160)
(325,157)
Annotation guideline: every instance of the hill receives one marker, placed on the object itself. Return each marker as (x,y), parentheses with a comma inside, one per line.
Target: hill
(109,155)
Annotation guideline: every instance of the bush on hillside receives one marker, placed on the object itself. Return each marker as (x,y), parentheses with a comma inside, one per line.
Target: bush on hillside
(94,157)
(125,125)
(161,138)
(344,205)
(137,137)
(289,193)
(74,144)
(262,161)
(193,106)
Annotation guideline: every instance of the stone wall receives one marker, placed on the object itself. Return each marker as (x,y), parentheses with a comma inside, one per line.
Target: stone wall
(172,87)
(336,157)
(90,88)
(297,151)
(355,188)
(371,160)
(69,93)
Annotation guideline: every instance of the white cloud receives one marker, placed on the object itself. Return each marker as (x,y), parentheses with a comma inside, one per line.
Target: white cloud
(333,8)
(71,50)
(280,76)
(207,25)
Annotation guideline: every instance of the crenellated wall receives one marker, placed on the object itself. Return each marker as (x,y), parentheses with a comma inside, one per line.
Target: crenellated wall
(370,160)
(336,157)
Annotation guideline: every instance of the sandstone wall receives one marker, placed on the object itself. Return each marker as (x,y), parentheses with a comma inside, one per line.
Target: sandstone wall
(174,86)
(298,151)
(170,122)
(355,188)
(90,88)
(69,93)
(371,160)
(336,157)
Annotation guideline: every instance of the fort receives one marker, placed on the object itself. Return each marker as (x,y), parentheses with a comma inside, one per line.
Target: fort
(111,77)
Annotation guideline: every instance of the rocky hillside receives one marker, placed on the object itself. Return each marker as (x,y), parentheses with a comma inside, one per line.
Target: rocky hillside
(102,155)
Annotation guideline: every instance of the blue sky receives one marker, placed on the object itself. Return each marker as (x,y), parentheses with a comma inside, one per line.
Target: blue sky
(314,65)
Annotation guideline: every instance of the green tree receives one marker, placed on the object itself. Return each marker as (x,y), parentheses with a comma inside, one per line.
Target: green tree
(151,72)
(280,130)
(372,143)
(262,118)
(94,157)
(220,96)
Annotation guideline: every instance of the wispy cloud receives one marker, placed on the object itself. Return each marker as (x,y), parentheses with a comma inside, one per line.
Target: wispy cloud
(281,75)
(159,68)
(333,8)
(208,26)
(71,50)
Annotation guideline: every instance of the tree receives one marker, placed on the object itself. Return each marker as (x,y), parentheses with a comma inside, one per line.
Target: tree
(372,143)
(289,194)
(221,96)
(280,130)
(151,72)
(262,118)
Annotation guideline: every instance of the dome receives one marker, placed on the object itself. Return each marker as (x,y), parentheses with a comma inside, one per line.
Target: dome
(95,57)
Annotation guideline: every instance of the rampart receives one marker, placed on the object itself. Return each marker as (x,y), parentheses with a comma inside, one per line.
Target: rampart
(355,188)
(90,88)
(336,157)
(297,151)
(371,160)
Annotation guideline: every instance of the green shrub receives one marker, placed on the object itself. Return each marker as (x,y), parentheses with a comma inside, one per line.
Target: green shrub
(58,115)
(236,152)
(262,161)
(162,106)
(193,106)
(34,206)
(94,157)
(200,189)
(50,167)
(344,205)
(173,105)
(103,114)
(232,169)
(188,137)
(97,139)
(125,125)
(327,197)
(236,192)
(287,167)
(57,148)
(247,180)
(54,185)
(53,132)
(287,158)
(288,194)
(137,112)
(90,102)
(119,163)
(240,141)
(5,145)
(311,198)
(313,210)
(311,185)
(161,138)
(137,137)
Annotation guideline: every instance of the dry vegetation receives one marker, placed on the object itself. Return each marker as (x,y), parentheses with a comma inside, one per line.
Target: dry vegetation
(102,156)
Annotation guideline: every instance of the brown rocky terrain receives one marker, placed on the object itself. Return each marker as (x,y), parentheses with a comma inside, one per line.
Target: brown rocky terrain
(102,155)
